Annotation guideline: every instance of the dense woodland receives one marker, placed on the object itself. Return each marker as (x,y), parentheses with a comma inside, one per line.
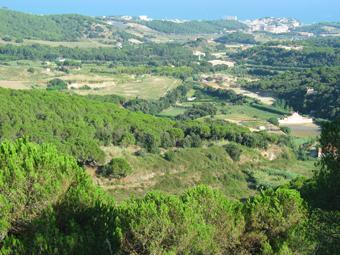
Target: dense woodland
(315,90)
(236,38)
(273,56)
(194,27)
(51,139)
(78,126)
(56,209)
(49,27)
(130,55)
(320,28)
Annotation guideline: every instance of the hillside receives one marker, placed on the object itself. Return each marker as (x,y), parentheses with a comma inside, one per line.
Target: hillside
(55,208)
(124,135)
(194,27)
(17,25)
(315,91)
(323,28)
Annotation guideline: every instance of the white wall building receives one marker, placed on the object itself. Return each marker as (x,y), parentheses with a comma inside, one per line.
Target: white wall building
(295,118)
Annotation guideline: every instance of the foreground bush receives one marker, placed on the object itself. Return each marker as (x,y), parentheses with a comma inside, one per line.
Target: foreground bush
(48,203)
(50,206)
(202,221)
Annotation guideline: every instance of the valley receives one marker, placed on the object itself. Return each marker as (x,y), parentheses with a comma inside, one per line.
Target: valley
(131,135)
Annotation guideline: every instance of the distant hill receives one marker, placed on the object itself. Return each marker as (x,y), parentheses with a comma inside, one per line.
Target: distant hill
(17,25)
(237,37)
(194,27)
(323,28)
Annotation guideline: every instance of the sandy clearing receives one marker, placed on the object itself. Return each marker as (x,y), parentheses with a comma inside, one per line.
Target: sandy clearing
(222,62)
(15,85)
(221,81)
(263,99)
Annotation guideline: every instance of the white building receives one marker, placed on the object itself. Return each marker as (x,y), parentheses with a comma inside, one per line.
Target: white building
(144,18)
(295,118)
(231,18)
(191,99)
(127,18)
(273,25)
(199,54)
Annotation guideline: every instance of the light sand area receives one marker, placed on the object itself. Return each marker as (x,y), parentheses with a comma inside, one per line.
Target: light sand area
(222,81)
(217,62)
(297,48)
(219,55)
(267,100)
(15,85)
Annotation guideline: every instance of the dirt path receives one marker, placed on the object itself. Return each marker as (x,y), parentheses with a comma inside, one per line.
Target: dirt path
(228,82)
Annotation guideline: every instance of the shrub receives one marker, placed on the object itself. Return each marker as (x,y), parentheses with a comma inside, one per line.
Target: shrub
(128,139)
(234,151)
(275,223)
(286,130)
(56,84)
(30,70)
(169,155)
(85,87)
(117,168)
(273,121)
(6,38)
(32,177)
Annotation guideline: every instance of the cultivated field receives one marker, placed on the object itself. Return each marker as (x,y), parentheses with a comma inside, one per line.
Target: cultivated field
(85,80)
(146,87)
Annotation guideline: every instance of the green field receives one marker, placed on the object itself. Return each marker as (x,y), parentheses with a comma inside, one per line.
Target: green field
(244,114)
(172,111)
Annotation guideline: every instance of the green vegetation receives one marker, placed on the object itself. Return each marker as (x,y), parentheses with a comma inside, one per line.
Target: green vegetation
(322,192)
(234,151)
(154,107)
(116,168)
(225,95)
(150,54)
(79,126)
(321,28)
(217,176)
(49,27)
(315,91)
(194,27)
(43,193)
(86,212)
(332,42)
(56,84)
(236,38)
(269,178)
(76,125)
(198,111)
(84,220)
(278,57)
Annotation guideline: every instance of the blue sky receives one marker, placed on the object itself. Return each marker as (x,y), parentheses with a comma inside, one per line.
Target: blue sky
(307,11)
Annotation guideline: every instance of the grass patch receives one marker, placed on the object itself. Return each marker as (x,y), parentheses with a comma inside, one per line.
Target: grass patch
(269,177)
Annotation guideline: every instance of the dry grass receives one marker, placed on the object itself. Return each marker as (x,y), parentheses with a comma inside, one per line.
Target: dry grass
(147,87)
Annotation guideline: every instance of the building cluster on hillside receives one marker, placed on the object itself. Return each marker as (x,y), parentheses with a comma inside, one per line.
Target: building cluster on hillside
(231,18)
(144,18)
(273,25)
